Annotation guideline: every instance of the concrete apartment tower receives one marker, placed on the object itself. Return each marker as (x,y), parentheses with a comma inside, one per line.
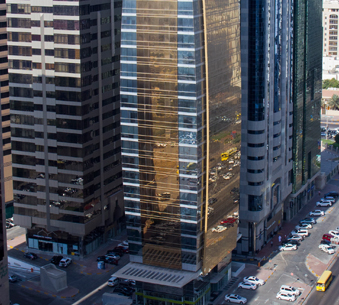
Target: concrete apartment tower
(307,93)
(180,120)
(267,118)
(330,19)
(65,110)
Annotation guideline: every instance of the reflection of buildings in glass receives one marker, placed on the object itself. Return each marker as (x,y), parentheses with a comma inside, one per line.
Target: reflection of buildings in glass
(63,79)
(180,113)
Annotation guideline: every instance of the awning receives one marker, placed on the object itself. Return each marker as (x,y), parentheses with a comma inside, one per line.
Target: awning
(156,275)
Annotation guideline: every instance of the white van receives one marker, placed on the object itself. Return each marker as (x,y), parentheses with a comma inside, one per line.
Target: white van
(113,281)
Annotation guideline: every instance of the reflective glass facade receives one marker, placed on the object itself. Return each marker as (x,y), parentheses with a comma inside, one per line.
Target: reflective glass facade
(180,108)
(65,118)
(307,78)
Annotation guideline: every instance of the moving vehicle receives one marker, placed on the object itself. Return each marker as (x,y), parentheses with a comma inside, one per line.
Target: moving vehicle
(288,247)
(229,221)
(324,281)
(56,259)
(12,278)
(228,153)
(219,229)
(234,298)
(290,290)
(317,213)
(324,204)
(30,255)
(65,262)
(247,285)
(254,280)
(285,296)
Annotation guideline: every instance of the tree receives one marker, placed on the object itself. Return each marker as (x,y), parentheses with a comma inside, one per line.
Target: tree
(333,103)
(330,83)
(336,138)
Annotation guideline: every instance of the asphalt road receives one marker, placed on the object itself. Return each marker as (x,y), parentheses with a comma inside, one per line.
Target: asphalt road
(330,296)
(15,232)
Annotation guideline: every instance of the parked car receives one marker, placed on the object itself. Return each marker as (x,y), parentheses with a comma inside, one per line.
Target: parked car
(304,226)
(285,296)
(254,280)
(332,194)
(101,258)
(317,213)
(12,278)
(333,232)
(30,255)
(301,232)
(124,249)
(290,290)
(128,282)
(327,236)
(118,251)
(112,261)
(288,247)
(56,259)
(247,285)
(113,281)
(65,262)
(325,242)
(308,220)
(324,204)
(234,298)
(123,290)
(115,256)
(292,241)
(125,243)
(229,221)
(328,198)
(327,248)
(295,237)
(219,229)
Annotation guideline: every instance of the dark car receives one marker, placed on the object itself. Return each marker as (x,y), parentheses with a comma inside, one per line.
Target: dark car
(111,261)
(293,242)
(332,194)
(30,255)
(123,290)
(113,252)
(325,242)
(56,259)
(101,258)
(121,249)
(12,278)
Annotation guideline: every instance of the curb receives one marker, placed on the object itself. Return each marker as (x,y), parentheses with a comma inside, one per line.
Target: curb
(48,293)
(270,274)
(309,268)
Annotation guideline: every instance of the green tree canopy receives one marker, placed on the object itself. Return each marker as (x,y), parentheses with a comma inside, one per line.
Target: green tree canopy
(333,103)
(330,83)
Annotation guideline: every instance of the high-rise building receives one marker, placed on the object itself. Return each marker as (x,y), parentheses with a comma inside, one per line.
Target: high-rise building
(180,120)
(65,111)
(307,93)
(6,189)
(267,118)
(330,18)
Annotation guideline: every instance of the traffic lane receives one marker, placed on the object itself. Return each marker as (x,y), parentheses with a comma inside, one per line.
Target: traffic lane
(18,254)
(330,296)
(15,232)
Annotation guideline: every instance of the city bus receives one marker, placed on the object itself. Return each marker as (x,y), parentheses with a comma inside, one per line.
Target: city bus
(324,281)
(228,153)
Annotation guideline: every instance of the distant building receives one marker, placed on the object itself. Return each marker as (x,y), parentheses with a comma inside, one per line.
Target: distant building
(330,19)
(65,122)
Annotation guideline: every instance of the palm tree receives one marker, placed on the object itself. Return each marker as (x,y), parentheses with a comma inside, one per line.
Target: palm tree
(334,102)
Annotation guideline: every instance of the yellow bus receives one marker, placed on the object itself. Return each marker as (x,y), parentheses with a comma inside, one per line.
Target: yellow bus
(228,153)
(324,280)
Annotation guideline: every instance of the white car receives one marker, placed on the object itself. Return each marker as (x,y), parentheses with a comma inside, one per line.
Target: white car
(324,204)
(285,296)
(327,248)
(288,247)
(125,243)
(304,226)
(317,213)
(65,262)
(328,198)
(247,285)
(114,256)
(290,290)
(234,298)
(219,229)
(301,232)
(254,280)
(334,232)
(296,237)
(308,220)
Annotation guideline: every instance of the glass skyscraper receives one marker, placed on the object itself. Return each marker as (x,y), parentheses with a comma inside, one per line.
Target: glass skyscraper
(180,122)
(65,111)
